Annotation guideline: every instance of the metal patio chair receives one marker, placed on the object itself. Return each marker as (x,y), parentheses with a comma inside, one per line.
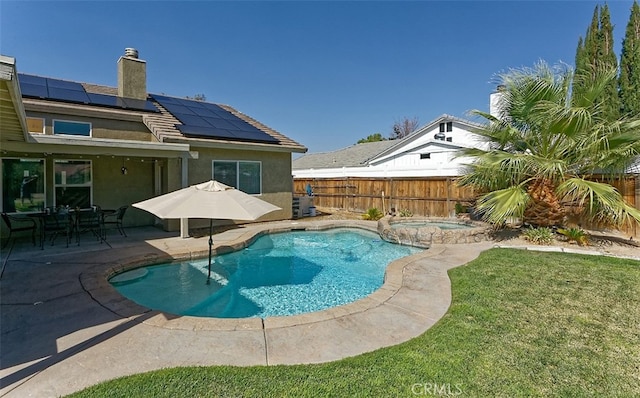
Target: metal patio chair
(115,218)
(89,220)
(56,222)
(19,224)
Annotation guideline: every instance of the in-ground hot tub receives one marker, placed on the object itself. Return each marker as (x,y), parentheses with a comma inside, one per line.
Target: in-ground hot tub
(423,232)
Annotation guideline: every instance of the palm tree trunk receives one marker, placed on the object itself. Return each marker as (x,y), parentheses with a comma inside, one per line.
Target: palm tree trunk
(544,209)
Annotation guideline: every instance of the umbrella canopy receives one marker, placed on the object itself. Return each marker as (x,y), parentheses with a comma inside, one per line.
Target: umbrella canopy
(212,200)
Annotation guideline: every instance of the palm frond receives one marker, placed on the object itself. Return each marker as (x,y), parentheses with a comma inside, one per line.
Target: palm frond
(499,206)
(594,81)
(601,202)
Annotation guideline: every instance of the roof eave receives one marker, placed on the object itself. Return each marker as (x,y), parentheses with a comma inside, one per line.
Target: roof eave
(9,78)
(226,144)
(41,143)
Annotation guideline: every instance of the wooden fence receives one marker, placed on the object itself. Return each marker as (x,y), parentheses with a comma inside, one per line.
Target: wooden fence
(433,196)
(425,196)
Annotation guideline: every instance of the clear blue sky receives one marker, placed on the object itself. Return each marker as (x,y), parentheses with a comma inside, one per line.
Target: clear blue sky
(323,73)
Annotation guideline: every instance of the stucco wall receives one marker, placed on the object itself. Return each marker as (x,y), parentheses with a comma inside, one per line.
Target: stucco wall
(277,183)
(100,128)
(112,189)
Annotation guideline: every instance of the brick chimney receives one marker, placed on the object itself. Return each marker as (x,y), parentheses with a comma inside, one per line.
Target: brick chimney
(132,75)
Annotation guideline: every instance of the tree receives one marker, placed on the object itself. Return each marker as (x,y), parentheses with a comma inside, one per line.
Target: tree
(629,82)
(545,151)
(372,138)
(404,127)
(197,97)
(609,60)
(587,51)
(596,52)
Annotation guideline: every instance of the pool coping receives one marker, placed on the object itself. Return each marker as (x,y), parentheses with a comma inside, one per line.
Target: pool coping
(94,281)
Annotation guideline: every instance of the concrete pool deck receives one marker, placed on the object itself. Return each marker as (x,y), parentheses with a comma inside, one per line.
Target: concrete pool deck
(65,328)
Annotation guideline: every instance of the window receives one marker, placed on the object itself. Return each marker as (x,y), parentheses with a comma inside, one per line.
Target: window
(442,127)
(449,126)
(71,128)
(22,185)
(243,175)
(425,156)
(35,125)
(73,184)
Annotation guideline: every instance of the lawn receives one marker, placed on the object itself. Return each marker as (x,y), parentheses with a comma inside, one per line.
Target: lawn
(522,323)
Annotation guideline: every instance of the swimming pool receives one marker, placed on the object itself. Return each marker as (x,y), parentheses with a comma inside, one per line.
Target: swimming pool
(278,275)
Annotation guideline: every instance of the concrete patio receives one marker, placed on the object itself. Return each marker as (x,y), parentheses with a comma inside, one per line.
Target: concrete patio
(65,328)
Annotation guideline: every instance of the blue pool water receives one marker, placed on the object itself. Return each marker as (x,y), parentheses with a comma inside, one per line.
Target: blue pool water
(279,274)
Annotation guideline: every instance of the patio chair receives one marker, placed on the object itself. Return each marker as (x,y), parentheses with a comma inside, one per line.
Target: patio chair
(89,220)
(115,218)
(57,222)
(19,224)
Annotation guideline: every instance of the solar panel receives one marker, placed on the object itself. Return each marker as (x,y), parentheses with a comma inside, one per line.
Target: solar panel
(179,109)
(204,112)
(30,79)
(221,113)
(244,126)
(203,119)
(192,103)
(106,100)
(196,131)
(74,92)
(245,135)
(67,85)
(140,105)
(33,90)
(220,123)
(63,94)
(192,120)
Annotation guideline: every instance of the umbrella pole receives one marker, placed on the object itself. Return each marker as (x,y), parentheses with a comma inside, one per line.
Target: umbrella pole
(210,246)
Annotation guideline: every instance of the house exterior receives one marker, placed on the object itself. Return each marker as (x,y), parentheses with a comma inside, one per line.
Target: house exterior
(75,144)
(430,151)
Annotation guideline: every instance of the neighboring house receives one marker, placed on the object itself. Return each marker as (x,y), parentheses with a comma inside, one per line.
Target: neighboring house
(74,144)
(428,152)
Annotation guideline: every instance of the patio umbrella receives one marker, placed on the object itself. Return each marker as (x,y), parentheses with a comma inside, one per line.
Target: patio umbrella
(212,200)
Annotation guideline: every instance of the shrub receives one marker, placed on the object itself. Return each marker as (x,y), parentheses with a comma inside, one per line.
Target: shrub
(539,236)
(575,235)
(460,208)
(372,214)
(406,213)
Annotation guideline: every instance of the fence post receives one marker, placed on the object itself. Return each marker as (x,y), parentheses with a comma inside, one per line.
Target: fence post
(346,194)
(448,211)
(391,204)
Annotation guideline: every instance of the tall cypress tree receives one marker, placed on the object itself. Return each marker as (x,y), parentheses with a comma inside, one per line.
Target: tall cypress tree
(630,65)
(585,55)
(607,58)
(595,52)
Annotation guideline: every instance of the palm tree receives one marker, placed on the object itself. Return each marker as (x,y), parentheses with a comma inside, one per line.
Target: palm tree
(546,150)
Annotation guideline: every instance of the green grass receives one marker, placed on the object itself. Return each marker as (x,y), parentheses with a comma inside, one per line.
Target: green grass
(522,324)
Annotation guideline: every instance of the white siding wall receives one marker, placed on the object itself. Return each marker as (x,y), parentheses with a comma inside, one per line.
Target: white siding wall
(405,161)
(410,165)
